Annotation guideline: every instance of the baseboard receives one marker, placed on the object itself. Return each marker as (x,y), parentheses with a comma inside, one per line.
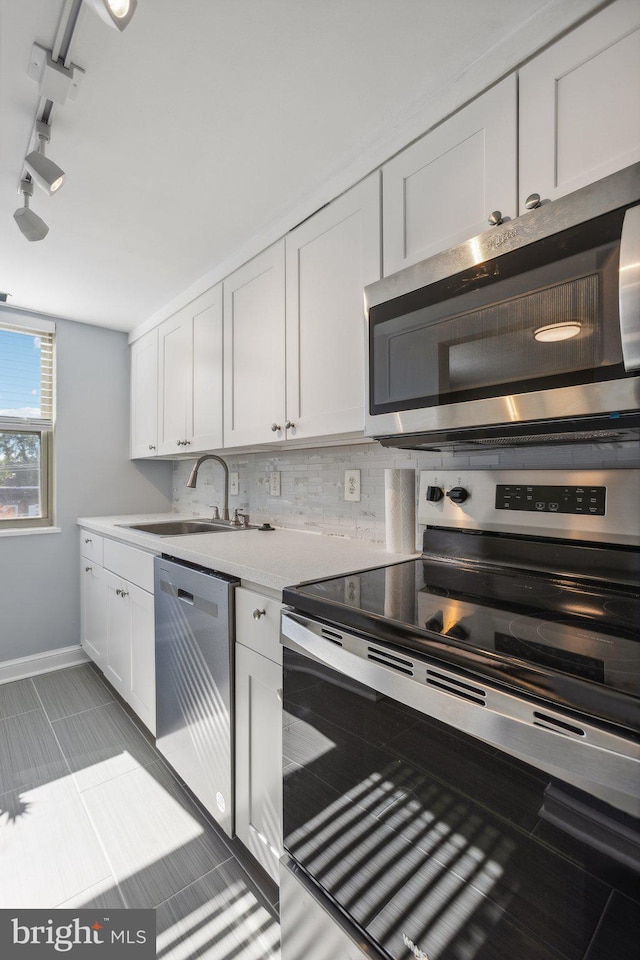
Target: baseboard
(42,663)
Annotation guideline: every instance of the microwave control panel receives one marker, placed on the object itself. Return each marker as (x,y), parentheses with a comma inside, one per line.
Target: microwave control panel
(551,499)
(600,506)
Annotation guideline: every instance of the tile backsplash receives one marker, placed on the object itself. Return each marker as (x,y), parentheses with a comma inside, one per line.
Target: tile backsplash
(312,480)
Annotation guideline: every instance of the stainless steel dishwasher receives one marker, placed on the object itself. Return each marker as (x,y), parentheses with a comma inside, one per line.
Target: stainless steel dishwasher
(194,680)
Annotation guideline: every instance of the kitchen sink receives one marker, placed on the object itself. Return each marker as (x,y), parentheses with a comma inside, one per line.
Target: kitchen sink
(178,528)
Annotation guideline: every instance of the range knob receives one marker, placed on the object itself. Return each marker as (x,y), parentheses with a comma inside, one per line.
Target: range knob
(434,494)
(458,494)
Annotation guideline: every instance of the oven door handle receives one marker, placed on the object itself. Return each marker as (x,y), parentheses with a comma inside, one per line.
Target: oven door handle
(592,759)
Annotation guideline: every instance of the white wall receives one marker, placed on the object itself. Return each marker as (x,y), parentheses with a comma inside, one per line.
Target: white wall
(39,573)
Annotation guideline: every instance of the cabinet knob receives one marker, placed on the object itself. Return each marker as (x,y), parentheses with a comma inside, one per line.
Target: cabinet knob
(533,201)
(88,569)
(495,218)
(258,613)
(152,446)
(122,593)
(275,427)
(88,540)
(289,425)
(279,694)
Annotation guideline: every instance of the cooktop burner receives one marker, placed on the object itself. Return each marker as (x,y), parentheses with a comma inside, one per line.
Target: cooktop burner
(533,628)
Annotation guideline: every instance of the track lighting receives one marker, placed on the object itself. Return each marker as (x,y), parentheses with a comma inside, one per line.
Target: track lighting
(117,13)
(44,172)
(31,225)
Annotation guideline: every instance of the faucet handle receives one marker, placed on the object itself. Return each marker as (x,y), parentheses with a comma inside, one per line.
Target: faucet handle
(237,521)
(216,512)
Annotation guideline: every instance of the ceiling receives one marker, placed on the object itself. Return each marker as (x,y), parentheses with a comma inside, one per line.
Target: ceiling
(209,127)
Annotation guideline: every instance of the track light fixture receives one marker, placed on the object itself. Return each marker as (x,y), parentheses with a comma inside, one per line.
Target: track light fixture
(31,225)
(44,172)
(117,13)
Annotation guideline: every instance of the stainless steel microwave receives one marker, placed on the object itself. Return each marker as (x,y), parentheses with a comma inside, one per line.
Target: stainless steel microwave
(526,334)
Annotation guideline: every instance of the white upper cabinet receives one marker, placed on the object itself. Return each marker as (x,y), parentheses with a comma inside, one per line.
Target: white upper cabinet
(254,350)
(579,105)
(441,190)
(204,398)
(329,259)
(144,396)
(173,374)
(190,377)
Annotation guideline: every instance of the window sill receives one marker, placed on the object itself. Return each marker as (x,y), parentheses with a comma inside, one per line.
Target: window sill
(28,531)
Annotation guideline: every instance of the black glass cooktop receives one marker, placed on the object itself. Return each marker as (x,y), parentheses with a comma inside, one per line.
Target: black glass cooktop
(573,639)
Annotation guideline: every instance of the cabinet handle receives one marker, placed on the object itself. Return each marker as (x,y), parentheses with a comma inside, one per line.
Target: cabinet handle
(88,540)
(152,446)
(533,201)
(88,569)
(495,218)
(258,613)
(289,425)
(275,427)
(279,694)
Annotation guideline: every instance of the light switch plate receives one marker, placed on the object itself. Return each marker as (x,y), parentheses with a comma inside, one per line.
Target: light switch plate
(352,485)
(234,484)
(274,483)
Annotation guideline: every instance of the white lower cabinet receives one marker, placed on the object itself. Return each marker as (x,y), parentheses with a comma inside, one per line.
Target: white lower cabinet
(258,710)
(118,631)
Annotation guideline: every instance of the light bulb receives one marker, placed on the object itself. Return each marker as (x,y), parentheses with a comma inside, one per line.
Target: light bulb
(553,332)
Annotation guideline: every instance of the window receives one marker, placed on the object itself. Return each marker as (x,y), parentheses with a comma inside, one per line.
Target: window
(26,425)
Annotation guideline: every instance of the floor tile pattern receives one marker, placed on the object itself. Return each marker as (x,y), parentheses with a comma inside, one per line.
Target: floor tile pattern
(90,816)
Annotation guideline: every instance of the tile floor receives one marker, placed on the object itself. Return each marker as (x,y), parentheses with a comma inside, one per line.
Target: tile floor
(91,817)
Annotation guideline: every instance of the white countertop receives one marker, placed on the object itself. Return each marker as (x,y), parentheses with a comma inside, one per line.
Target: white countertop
(274,560)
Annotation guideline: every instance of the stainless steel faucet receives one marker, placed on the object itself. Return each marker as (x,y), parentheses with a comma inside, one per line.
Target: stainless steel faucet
(193,479)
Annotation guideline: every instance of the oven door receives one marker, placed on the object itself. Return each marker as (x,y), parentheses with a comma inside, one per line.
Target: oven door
(429,815)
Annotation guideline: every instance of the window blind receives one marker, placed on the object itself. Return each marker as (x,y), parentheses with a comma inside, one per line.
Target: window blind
(26,377)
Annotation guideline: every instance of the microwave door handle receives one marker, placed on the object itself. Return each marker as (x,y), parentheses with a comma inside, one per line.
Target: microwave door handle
(629,289)
(594,760)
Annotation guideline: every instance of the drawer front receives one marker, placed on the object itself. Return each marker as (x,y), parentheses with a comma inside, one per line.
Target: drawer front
(91,546)
(131,564)
(258,623)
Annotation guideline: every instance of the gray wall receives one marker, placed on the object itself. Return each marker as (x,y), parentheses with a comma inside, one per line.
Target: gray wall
(39,573)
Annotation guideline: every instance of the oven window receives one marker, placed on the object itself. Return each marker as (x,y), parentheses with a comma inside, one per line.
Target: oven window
(501,326)
(425,835)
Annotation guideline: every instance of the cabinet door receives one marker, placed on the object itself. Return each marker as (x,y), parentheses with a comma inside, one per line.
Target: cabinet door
(579,114)
(204,415)
(144,395)
(254,346)
(93,598)
(441,190)
(173,383)
(259,757)
(117,668)
(142,693)
(329,259)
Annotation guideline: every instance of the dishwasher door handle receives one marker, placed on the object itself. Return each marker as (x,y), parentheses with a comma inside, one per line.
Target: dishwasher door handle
(184,595)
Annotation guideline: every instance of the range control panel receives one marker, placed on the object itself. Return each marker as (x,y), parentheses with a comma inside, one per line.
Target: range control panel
(551,499)
(600,506)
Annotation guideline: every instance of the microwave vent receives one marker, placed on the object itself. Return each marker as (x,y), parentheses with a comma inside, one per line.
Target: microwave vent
(579,435)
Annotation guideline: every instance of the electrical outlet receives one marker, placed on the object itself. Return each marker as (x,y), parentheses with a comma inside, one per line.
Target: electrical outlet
(234,484)
(274,483)
(352,485)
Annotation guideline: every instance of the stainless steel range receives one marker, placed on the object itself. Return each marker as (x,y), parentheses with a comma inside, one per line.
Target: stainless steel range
(462,732)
